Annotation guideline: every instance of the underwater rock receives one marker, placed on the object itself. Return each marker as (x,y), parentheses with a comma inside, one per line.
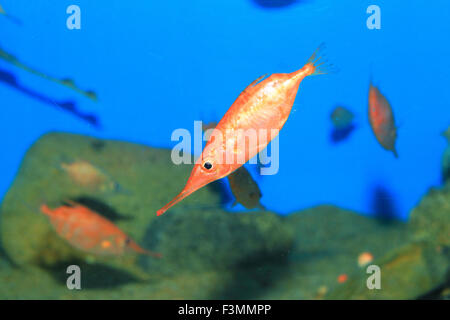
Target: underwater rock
(419,266)
(207,252)
(199,239)
(329,241)
(430,220)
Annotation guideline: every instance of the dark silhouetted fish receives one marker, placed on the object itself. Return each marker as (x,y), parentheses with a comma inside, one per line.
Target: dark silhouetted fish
(381,120)
(69,83)
(446,158)
(13,19)
(69,106)
(343,125)
(341,117)
(274,4)
(245,189)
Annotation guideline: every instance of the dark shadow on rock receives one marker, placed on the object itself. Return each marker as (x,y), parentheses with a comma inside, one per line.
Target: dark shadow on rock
(253,277)
(150,240)
(383,205)
(93,276)
(98,145)
(101,208)
(339,135)
(68,106)
(439,293)
(7,258)
(276,4)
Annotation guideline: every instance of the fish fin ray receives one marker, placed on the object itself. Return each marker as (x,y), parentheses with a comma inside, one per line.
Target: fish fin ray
(321,65)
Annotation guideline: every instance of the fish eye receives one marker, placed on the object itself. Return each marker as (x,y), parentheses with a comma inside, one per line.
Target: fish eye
(207,165)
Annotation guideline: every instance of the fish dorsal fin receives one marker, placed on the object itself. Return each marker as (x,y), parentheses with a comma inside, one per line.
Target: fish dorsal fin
(255,82)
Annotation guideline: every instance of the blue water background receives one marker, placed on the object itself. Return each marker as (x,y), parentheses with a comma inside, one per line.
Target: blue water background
(160,65)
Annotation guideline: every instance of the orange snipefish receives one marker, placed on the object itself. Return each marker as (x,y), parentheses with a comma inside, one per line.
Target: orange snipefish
(88,231)
(381,120)
(262,105)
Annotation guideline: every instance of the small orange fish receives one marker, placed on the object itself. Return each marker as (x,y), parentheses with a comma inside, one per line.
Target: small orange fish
(381,120)
(88,231)
(87,175)
(263,105)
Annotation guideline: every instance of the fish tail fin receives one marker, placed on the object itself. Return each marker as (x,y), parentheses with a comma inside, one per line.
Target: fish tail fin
(319,63)
(133,245)
(152,254)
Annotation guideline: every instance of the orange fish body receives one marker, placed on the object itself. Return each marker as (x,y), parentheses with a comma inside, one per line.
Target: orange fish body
(88,231)
(381,120)
(265,105)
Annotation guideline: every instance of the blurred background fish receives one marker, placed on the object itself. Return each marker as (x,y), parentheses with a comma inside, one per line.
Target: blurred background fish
(381,118)
(69,106)
(343,125)
(341,117)
(7,15)
(67,82)
(87,175)
(245,189)
(86,230)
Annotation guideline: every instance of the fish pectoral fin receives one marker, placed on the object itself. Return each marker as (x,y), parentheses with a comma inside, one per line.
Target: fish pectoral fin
(234,203)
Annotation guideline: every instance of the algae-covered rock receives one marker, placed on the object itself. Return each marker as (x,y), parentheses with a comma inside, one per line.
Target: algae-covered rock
(196,240)
(328,243)
(407,272)
(207,252)
(196,235)
(430,220)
